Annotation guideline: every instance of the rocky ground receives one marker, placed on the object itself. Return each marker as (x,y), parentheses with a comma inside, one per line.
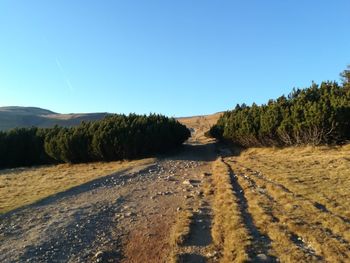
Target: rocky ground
(123,217)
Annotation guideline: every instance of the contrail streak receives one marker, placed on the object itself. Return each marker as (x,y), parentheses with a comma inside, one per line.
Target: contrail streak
(69,84)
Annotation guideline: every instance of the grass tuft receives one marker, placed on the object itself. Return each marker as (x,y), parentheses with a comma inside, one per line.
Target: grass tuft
(228,231)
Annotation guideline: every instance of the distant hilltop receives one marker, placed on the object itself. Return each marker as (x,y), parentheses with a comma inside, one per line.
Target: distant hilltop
(24,117)
(21,117)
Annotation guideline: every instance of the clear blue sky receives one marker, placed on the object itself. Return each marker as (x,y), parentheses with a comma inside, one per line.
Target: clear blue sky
(178,57)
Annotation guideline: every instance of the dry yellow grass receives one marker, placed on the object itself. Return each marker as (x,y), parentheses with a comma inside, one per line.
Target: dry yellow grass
(320,174)
(23,186)
(181,228)
(299,197)
(228,230)
(200,124)
(265,219)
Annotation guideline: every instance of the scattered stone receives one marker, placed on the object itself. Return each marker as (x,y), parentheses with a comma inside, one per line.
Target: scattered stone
(199,193)
(170,178)
(188,182)
(212,254)
(205,174)
(129,214)
(262,191)
(99,256)
(262,258)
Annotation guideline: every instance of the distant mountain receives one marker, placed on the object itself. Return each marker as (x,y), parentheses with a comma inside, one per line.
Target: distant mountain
(23,117)
(14,116)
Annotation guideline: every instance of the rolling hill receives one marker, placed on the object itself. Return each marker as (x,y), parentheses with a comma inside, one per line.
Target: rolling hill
(14,116)
(21,117)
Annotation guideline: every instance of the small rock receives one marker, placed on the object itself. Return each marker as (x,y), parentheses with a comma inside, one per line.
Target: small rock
(261,257)
(170,178)
(199,193)
(99,256)
(212,254)
(129,214)
(188,182)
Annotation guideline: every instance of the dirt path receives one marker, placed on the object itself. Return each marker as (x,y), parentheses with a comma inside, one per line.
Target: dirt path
(198,247)
(122,217)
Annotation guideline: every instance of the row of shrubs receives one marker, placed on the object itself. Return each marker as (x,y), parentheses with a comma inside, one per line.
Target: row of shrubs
(115,137)
(316,115)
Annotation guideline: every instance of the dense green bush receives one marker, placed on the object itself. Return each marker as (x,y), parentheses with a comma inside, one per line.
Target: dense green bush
(22,147)
(316,115)
(113,138)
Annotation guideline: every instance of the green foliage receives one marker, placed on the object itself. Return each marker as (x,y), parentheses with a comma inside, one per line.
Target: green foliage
(22,147)
(115,137)
(345,76)
(316,115)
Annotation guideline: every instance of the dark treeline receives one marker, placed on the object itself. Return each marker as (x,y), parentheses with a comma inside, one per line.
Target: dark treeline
(115,137)
(316,115)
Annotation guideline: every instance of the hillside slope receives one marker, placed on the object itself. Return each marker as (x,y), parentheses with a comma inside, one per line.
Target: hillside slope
(22,117)
(12,117)
(200,124)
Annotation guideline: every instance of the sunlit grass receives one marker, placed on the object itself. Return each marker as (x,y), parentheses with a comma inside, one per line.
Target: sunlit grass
(301,191)
(23,186)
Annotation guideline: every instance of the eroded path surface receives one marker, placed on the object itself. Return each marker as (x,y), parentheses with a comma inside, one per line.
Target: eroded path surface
(124,217)
(198,244)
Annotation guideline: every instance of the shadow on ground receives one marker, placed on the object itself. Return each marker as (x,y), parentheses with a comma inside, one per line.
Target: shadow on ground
(200,234)
(191,258)
(194,152)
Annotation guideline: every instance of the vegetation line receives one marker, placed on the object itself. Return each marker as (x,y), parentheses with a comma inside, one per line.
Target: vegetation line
(116,137)
(316,115)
